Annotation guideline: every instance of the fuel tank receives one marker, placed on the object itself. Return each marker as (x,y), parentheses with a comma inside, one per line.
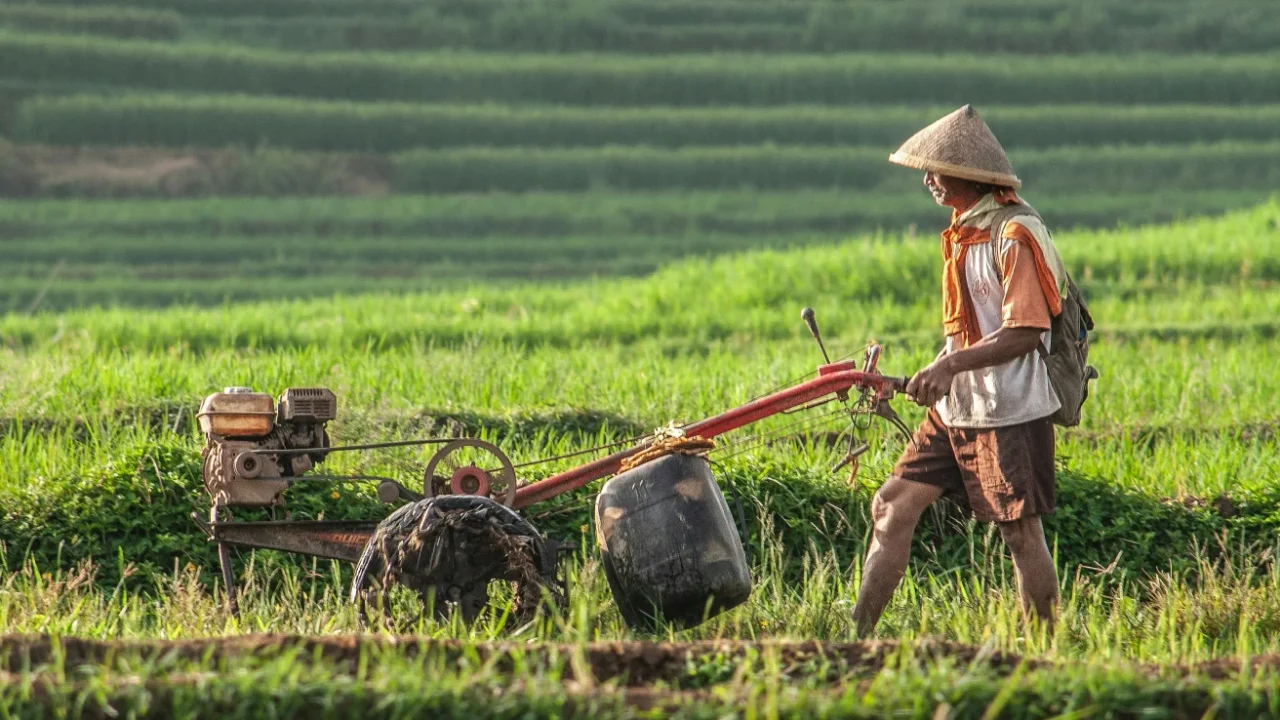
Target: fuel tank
(237,412)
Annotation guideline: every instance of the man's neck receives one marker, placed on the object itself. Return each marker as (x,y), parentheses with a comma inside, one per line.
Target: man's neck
(961,203)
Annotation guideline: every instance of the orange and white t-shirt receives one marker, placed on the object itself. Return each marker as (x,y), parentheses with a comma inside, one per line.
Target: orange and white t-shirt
(1005,291)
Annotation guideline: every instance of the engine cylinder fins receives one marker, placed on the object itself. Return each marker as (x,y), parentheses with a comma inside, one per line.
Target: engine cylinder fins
(458,468)
(447,550)
(314,404)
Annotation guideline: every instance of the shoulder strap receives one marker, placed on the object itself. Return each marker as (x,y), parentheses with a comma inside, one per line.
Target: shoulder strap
(999,219)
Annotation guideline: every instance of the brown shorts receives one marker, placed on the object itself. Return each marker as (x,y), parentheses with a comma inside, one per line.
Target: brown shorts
(1004,473)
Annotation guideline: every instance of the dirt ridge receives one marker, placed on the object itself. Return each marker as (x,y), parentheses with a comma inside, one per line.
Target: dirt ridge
(636,663)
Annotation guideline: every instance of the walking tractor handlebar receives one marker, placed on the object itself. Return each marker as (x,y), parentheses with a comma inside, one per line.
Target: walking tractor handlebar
(834,382)
(255,450)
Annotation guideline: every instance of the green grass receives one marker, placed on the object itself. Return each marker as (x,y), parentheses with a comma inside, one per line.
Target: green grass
(1231,608)
(148,253)
(656,27)
(252,8)
(695,80)
(323,258)
(420,678)
(216,121)
(14,91)
(828,212)
(1191,305)
(1154,574)
(1119,171)
(549,322)
(1116,169)
(333,31)
(108,21)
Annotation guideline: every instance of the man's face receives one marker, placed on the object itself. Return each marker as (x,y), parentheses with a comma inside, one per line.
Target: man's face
(947,190)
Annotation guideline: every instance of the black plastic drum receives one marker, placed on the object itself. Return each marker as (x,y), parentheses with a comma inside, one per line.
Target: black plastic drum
(669,545)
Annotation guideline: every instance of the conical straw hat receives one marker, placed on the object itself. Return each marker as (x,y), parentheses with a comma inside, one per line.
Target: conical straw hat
(960,145)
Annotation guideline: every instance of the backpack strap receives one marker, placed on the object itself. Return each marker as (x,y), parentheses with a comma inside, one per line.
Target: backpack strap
(999,219)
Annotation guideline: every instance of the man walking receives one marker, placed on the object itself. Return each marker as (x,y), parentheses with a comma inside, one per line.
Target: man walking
(988,435)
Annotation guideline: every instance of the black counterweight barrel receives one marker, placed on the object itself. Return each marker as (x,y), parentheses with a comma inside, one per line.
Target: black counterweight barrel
(669,545)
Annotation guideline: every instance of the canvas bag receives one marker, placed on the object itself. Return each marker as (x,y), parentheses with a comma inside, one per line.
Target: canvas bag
(1068,356)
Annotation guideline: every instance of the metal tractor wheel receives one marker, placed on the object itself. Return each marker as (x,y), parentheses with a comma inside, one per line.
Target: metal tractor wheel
(447,550)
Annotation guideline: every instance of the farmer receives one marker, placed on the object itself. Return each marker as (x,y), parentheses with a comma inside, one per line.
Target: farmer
(987,437)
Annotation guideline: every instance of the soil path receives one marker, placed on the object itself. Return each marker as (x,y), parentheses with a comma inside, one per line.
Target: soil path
(633,663)
(596,679)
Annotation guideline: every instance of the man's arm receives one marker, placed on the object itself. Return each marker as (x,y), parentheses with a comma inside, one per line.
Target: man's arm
(1008,343)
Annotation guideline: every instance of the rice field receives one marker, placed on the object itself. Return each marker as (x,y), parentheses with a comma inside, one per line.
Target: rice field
(1164,540)
(666,27)
(68,254)
(564,224)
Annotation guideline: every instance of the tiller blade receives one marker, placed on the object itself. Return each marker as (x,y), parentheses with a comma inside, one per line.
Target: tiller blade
(449,548)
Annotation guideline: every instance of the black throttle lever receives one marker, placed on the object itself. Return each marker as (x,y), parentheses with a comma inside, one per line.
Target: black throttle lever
(812,321)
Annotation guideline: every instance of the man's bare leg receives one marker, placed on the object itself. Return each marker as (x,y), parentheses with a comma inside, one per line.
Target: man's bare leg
(1037,575)
(895,510)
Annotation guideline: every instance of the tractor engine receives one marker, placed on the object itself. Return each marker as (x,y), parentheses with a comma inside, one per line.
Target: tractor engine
(250,439)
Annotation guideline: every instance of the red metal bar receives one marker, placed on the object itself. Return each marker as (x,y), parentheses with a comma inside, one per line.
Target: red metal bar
(834,378)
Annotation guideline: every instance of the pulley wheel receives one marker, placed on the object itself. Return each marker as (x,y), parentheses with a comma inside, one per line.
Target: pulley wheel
(455,469)
(248,465)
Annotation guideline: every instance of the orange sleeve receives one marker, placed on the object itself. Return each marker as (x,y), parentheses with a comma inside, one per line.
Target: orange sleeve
(1024,301)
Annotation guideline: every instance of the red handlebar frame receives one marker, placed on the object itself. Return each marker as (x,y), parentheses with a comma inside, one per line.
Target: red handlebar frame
(834,379)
